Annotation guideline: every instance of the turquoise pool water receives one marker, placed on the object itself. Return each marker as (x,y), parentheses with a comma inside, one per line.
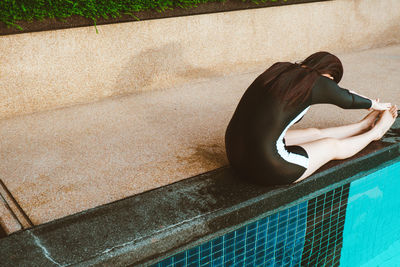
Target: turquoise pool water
(371,235)
(355,224)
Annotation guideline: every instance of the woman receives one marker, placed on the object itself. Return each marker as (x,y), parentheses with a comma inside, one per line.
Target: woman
(261,148)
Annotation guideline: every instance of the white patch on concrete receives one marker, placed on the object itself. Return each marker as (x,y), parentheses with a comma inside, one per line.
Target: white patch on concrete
(45,251)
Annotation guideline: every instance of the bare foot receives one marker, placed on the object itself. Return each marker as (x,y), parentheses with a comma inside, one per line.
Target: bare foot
(383,124)
(368,122)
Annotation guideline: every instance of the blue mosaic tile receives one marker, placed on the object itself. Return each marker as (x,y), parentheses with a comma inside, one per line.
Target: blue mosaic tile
(180,256)
(193,251)
(193,259)
(275,239)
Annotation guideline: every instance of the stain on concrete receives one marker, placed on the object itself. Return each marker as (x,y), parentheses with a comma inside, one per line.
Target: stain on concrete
(206,155)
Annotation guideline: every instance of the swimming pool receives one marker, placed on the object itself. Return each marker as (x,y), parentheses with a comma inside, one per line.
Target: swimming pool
(355,224)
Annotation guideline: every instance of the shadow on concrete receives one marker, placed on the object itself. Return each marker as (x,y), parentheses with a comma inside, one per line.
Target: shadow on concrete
(165,66)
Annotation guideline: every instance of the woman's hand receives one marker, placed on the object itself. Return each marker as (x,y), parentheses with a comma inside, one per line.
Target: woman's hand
(375,103)
(379,106)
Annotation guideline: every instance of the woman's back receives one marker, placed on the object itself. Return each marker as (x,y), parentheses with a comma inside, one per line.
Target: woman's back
(256,125)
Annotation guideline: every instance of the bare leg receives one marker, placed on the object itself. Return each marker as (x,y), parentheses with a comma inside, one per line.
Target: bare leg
(326,149)
(301,136)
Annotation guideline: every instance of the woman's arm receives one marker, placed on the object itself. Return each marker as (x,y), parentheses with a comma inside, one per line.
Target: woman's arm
(359,94)
(375,103)
(328,91)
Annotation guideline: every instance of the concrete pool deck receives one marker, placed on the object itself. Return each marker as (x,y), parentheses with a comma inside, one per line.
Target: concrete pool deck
(61,162)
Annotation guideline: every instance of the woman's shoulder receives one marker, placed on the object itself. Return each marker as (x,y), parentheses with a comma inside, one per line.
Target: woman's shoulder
(324,83)
(324,79)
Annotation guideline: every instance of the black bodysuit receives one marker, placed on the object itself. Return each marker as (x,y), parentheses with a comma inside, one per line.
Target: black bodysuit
(254,138)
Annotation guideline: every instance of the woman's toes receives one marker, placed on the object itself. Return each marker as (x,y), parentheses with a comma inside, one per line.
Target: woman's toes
(370,119)
(383,124)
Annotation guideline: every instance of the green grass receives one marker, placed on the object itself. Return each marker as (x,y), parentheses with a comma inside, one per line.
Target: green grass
(12,11)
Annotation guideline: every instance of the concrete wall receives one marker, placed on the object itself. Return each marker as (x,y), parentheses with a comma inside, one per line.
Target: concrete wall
(47,70)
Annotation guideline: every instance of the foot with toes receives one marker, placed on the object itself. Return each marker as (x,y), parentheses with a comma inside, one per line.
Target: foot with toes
(368,122)
(385,121)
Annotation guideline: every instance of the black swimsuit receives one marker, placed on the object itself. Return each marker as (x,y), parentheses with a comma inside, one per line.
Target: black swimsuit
(254,138)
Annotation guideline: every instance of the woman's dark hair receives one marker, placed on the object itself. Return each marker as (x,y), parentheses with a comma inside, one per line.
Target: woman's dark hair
(292,82)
